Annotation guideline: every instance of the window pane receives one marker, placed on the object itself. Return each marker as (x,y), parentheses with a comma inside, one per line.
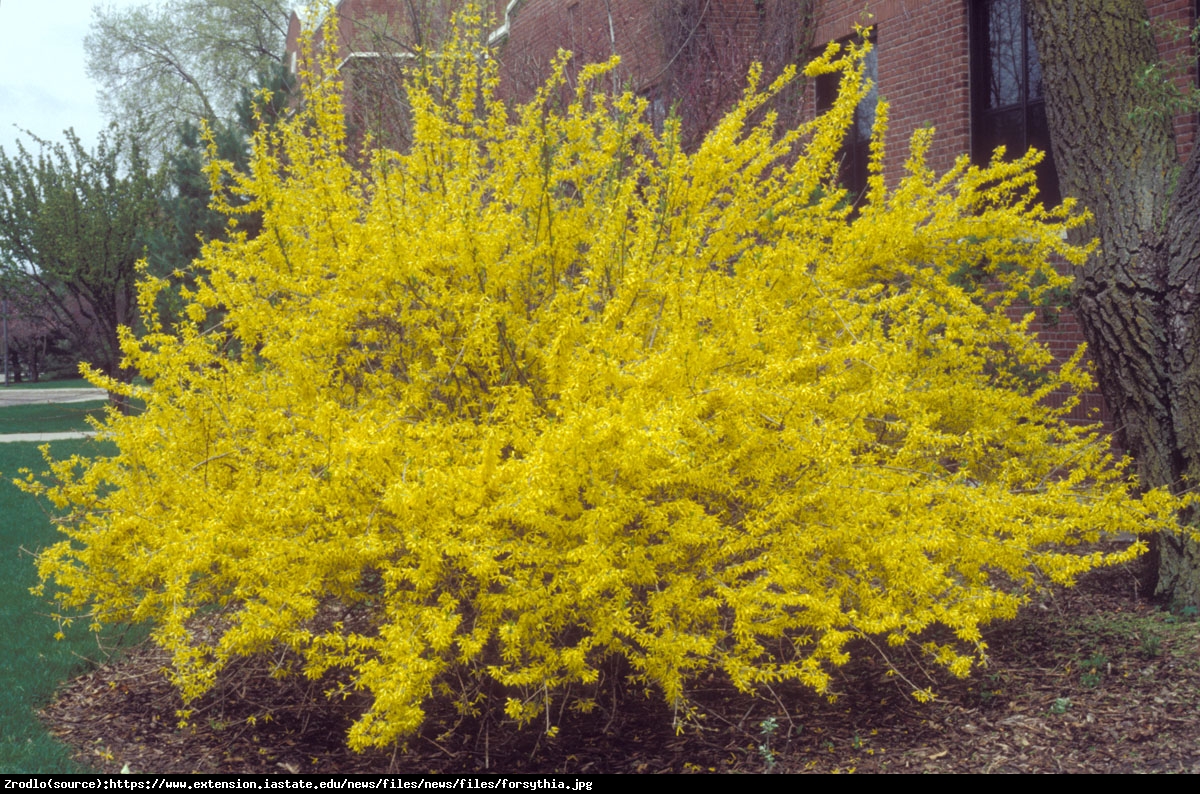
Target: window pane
(827,88)
(855,152)
(864,114)
(1037,131)
(1003,127)
(1008,108)
(1005,61)
(1035,69)
(854,170)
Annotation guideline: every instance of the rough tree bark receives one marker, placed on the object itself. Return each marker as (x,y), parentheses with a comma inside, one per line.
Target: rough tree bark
(1137,298)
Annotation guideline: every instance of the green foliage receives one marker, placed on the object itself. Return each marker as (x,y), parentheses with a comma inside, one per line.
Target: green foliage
(1092,670)
(768,728)
(547,390)
(1182,613)
(1166,88)
(73,225)
(1151,645)
(189,216)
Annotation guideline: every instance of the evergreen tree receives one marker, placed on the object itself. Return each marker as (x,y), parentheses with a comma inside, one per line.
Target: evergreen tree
(189,217)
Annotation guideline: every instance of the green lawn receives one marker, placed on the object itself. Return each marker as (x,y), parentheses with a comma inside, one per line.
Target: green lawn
(34,663)
(54,418)
(72,383)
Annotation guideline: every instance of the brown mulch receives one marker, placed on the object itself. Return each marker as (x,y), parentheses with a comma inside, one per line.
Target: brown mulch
(1084,680)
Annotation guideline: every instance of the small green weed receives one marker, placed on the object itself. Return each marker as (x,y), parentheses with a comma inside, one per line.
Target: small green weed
(1151,646)
(768,726)
(1182,614)
(1060,706)
(991,687)
(1091,670)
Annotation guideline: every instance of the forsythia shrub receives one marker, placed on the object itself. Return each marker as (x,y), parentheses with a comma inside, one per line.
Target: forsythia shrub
(547,390)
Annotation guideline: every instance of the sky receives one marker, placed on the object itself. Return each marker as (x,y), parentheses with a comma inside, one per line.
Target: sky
(44,86)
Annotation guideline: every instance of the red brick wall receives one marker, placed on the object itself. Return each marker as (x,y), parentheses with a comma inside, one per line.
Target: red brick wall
(1174,20)
(922,50)
(923,67)
(593,30)
(539,29)
(369,25)
(374,39)
(691,54)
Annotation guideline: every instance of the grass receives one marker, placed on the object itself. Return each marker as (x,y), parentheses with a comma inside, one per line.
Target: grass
(34,664)
(53,418)
(71,383)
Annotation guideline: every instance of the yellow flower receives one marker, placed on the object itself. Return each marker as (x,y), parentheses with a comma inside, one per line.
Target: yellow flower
(546,389)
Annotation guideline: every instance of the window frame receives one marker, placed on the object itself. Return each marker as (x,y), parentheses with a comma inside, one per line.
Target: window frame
(855,153)
(1031,110)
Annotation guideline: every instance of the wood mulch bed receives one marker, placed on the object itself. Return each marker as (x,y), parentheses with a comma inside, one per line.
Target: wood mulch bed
(1090,679)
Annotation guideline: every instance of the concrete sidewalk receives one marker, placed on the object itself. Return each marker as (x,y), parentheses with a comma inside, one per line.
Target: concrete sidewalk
(47,396)
(9,397)
(43,437)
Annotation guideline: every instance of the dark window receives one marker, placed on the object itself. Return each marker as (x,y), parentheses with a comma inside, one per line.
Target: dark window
(1006,90)
(856,150)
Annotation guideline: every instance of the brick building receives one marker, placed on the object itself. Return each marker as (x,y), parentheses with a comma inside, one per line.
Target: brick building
(966,67)
(969,69)
(689,53)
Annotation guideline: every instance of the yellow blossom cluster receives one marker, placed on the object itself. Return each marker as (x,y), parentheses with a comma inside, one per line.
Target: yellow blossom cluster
(546,392)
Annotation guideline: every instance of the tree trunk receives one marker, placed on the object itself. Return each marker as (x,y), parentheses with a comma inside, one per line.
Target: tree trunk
(1136,297)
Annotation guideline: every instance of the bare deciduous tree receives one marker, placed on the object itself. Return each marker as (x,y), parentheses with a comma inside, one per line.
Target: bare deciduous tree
(166,63)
